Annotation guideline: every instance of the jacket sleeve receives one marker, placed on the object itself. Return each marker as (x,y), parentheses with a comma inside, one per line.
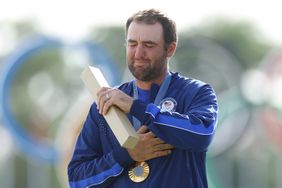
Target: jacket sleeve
(191,130)
(90,165)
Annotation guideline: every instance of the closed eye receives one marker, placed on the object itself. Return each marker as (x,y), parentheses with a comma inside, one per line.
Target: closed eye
(131,43)
(149,44)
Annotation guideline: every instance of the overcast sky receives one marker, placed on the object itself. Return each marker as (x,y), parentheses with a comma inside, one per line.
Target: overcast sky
(71,18)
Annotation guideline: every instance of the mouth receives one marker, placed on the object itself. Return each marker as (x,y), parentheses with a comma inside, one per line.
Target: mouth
(140,63)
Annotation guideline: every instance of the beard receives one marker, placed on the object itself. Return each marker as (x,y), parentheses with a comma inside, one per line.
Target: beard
(152,71)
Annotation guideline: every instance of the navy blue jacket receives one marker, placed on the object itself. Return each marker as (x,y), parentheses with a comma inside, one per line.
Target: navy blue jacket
(99,160)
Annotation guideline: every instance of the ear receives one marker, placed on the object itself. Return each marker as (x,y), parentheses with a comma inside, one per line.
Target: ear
(171,49)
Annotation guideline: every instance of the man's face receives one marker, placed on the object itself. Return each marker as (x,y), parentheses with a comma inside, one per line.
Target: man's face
(146,56)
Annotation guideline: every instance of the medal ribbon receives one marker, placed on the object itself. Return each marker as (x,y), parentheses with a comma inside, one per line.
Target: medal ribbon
(161,93)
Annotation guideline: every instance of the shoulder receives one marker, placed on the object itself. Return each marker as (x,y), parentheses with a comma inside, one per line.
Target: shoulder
(185,82)
(191,87)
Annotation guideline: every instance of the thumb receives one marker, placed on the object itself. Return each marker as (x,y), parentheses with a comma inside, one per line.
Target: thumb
(142,129)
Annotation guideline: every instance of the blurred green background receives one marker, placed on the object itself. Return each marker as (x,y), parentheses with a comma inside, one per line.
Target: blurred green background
(47,101)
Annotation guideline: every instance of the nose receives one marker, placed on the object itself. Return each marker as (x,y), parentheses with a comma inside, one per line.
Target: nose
(139,51)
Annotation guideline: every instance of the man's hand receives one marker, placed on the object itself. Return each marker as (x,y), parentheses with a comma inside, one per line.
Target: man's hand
(112,96)
(149,146)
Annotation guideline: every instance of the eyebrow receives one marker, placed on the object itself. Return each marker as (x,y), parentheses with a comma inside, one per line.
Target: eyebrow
(147,41)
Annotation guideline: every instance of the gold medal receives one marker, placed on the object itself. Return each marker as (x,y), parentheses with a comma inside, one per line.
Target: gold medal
(139,172)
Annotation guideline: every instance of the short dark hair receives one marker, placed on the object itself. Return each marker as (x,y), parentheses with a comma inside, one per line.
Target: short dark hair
(153,16)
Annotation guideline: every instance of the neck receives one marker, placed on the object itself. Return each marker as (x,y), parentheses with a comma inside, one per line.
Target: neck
(146,85)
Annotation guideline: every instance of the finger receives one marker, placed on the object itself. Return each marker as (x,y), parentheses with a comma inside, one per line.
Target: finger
(162,147)
(100,94)
(169,146)
(105,101)
(101,102)
(107,106)
(160,153)
(156,141)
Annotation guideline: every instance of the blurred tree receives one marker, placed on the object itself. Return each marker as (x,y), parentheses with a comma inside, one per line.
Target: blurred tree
(27,94)
(13,33)
(112,38)
(33,101)
(241,38)
(25,28)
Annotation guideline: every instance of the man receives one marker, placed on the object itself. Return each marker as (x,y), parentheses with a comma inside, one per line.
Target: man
(174,116)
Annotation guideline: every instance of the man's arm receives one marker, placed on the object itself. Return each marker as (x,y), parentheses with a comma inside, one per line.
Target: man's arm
(90,165)
(192,130)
